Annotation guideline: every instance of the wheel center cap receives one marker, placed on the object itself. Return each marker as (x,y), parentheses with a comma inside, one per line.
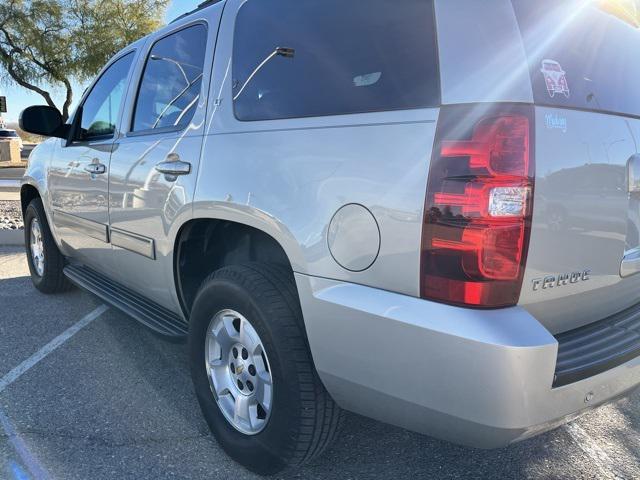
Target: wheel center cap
(239,369)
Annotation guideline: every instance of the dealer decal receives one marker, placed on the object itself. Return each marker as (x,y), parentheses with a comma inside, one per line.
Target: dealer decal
(553,121)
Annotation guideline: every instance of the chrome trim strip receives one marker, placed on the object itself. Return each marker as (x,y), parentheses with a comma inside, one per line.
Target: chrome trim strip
(134,243)
(96,230)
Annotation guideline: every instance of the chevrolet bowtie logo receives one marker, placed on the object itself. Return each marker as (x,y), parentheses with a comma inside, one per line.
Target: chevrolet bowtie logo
(239,369)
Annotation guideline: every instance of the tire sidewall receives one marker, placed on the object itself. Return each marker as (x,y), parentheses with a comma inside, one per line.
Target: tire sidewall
(33,212)
(269,450)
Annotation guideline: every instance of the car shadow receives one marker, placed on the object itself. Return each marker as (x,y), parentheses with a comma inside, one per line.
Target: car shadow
(365,448)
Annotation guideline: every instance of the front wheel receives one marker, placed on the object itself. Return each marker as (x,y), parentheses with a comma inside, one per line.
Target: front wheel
(46,263)
(253,372)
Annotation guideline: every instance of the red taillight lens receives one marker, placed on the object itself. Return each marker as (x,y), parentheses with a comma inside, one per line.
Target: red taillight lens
(479,206)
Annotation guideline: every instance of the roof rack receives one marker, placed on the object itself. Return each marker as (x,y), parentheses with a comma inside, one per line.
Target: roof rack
(206,4)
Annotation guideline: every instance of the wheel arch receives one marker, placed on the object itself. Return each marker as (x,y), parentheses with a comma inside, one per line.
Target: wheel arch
(203,245)
(28,193)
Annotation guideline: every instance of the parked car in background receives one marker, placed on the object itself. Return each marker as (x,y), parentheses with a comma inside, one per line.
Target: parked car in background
(347,205)
(8,135)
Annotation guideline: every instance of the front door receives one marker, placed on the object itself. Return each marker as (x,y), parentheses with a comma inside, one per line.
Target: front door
(78,177)
(154,164)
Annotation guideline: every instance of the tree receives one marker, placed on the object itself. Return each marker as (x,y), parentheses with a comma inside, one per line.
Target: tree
(52,42)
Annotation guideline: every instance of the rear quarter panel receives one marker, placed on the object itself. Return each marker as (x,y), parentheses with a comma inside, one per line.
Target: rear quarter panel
(290,180)
(289,177)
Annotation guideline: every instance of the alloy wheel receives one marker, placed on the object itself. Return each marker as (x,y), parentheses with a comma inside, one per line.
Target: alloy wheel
(239,372)
(36,246)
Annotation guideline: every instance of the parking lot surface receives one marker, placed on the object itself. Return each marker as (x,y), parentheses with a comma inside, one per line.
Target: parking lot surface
(87,393)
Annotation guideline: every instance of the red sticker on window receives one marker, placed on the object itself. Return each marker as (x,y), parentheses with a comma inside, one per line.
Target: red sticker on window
(555,78)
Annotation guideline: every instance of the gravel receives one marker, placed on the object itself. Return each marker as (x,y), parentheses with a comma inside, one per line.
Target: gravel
(10,215)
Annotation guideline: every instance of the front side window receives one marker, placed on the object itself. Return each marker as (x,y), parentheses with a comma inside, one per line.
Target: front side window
(172,81)
(312,58)
(101,108)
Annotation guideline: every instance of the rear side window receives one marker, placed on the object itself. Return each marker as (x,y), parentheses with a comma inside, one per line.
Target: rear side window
(309,58)
(172,81)
(582,54)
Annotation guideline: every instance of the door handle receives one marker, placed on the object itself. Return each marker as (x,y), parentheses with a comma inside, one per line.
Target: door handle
(95,167)
(173,167)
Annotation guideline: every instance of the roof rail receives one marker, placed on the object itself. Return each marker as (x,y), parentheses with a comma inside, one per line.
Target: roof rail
(206,4)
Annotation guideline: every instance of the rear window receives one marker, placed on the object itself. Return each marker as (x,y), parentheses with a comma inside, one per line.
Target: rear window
(309,58)
(582,54)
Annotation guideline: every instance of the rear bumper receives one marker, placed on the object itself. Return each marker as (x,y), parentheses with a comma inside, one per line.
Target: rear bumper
(482,378)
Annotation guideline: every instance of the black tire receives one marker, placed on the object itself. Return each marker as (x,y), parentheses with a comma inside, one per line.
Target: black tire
(304,419)
(52,279)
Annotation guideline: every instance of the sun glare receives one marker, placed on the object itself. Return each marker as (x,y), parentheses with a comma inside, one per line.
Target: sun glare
(626,10)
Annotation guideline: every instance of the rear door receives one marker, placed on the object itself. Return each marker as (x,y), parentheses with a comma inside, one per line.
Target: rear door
(584,63)
(155,162)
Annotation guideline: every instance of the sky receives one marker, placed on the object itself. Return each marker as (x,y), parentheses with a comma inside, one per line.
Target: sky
(19,98)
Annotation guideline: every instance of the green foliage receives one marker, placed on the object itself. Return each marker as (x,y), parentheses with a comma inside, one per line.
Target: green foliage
(51,42)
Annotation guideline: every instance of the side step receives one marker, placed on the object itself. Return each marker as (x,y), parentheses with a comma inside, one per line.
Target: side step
(150,314)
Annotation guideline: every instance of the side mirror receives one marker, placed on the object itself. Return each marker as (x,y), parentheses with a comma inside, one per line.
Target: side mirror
(45,121)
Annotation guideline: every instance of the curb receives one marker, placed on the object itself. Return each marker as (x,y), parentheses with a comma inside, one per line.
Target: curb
(13,238)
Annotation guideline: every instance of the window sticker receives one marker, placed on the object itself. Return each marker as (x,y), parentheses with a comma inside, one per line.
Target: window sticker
(367,80)
(555,78)
(553,121)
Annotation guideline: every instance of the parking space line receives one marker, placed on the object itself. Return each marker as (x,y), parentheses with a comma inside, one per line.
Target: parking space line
(34,359)
(589,446)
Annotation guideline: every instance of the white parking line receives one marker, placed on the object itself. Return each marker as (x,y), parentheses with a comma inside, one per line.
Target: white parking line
(34,359)
(599,457)
(16,441)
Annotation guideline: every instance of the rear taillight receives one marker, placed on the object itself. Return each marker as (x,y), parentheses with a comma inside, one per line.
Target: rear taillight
(479,205)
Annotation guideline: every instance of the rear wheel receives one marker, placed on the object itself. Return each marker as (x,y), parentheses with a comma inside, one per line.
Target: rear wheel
(253,372)
(45,261)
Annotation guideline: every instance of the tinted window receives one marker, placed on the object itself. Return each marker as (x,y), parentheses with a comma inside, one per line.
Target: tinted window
(101,108)
(172,81)
(312,58)
(581,54)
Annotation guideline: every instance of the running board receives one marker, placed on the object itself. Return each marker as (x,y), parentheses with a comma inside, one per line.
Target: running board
(147,312)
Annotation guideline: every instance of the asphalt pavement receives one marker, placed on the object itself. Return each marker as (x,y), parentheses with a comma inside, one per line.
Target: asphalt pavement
(87,393)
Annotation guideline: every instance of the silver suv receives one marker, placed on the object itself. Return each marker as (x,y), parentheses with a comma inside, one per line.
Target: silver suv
(423,211)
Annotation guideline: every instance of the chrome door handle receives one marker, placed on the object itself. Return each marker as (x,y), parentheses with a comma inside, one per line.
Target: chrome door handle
(95,168)
(173,167)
